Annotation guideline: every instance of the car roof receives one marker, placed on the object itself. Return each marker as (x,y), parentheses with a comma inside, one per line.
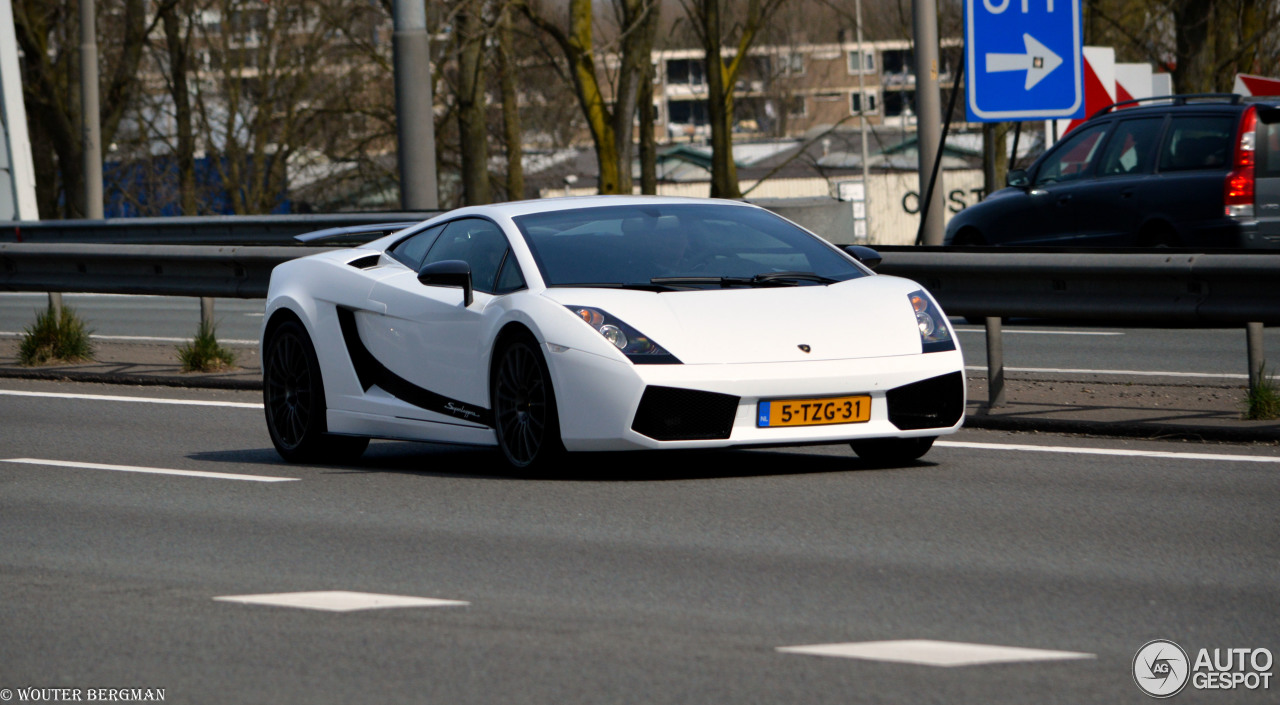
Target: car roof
(1159,105)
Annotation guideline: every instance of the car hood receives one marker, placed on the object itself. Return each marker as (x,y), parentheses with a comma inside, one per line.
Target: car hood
(861,318)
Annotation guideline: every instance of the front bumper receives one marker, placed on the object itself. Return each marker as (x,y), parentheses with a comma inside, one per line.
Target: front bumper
(598,399)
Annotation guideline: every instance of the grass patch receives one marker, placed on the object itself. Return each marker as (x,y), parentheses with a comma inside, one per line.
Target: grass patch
(57,336)
(204,354)
(1263,401)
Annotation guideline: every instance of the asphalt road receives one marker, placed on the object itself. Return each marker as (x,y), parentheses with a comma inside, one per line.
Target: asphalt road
(669,579)
(1196,355)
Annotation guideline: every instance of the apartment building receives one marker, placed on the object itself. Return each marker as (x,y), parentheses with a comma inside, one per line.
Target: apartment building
(785,91)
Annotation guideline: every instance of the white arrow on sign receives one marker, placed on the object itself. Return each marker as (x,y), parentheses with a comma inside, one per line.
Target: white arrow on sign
(1038,62)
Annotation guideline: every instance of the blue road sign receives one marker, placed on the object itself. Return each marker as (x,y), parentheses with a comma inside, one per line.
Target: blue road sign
(1023,60)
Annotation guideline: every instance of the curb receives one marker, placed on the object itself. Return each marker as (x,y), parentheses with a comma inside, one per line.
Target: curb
(1122,429)
(209,381)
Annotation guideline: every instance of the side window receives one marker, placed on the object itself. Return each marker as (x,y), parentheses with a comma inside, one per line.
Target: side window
(510,278)
(1130,149)
(1197,142)
(412,249)
(477,242)
(1072,159)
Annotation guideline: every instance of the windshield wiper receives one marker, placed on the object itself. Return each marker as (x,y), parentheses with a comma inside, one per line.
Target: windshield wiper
(765,279)
(638,286)
(792,276)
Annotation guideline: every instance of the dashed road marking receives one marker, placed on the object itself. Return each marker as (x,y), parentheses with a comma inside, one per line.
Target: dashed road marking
(146,470)
(1126,452)
(136,400)
(339,600)
(927,652)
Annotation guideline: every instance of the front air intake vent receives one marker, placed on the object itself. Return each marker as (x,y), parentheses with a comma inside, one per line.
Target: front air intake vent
(937,402)
(671,414)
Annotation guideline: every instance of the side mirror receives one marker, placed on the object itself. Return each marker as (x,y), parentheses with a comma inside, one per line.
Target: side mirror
(449,272)
(1017,178)
(865,255)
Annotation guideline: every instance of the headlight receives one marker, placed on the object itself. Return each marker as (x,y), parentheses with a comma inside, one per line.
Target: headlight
(935,336)
(634,344)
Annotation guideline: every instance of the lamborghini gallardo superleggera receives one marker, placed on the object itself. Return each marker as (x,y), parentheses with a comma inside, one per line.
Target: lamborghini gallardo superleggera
(605,324)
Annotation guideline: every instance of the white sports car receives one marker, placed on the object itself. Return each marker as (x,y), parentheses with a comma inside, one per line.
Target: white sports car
(600,324)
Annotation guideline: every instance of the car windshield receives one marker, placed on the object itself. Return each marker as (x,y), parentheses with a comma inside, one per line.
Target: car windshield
(679,246)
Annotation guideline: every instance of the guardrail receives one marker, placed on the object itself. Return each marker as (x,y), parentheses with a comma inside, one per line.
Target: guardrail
(1163,287)
(193,230)
(1183,288)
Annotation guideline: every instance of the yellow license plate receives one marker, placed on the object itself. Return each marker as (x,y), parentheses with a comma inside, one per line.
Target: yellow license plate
(813,412)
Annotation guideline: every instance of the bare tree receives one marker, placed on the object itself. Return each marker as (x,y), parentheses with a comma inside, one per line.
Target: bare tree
(512,140)
(471,35)
(610,124)
(48,33)
(726,44)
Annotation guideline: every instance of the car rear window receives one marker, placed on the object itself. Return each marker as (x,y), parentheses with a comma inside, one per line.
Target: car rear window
(1268,160)
(1198,142)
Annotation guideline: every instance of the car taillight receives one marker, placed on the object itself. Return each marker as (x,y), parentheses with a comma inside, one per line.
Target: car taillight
(1238,194)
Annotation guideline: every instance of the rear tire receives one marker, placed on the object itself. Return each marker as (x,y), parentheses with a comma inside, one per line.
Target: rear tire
(1159,235)
(293,398)
(525,417)
(892,451)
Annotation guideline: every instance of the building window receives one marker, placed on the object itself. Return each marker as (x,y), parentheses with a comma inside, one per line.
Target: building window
(687,72)
(796,107)
(855,103)
(867,62)
(687,112)
(795,64)
(899,103)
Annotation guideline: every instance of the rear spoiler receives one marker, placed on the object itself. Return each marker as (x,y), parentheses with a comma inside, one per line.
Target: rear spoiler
(355,234)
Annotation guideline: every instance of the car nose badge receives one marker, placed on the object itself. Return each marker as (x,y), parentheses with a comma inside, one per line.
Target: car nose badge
(804,347)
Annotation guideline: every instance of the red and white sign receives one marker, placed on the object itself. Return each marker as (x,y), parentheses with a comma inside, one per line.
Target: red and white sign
(1256,85)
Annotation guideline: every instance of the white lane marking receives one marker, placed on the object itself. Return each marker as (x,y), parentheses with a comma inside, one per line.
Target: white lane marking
(927,652)
(1125,452)
(1028,331)
(146,470)
(1127,373)
(138,400)
(142,338)
(339,600)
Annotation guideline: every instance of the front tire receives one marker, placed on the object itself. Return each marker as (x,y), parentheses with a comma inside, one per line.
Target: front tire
(892,451)
(524,407)
(293,398)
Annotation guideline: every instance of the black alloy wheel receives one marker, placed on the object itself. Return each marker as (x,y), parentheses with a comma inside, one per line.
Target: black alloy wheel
(892,451)
(293,397)
(524,407)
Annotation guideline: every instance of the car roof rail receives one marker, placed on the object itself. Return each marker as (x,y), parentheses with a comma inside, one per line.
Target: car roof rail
(1227,98)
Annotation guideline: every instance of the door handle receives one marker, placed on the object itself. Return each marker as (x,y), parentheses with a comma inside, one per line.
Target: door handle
(1126,194)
